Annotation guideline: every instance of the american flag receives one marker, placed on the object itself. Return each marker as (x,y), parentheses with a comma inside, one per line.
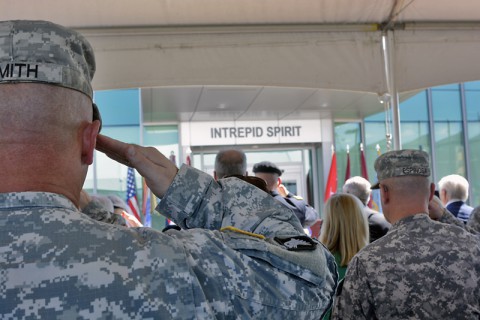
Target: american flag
(147,205)
(132,194)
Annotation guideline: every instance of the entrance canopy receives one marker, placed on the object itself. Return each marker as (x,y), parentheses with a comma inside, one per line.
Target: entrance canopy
(277,59)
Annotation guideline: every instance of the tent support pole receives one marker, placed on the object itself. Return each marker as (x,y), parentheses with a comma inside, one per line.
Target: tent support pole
(389,66)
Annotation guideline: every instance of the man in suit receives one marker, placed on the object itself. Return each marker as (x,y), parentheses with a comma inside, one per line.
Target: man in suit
(360,187)
(453,191)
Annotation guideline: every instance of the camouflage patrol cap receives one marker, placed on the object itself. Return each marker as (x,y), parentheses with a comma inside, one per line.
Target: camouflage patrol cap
(266,167)
(401,163)
(118,202)
(41,51)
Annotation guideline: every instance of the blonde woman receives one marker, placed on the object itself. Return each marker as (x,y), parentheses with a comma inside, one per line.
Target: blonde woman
(344,231)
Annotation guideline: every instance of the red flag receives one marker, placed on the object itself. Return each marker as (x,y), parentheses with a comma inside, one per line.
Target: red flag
(132,194)
(331,187)
(363,162)
(347,170)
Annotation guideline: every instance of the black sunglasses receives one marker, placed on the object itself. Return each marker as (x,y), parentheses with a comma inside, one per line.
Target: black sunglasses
(96,115)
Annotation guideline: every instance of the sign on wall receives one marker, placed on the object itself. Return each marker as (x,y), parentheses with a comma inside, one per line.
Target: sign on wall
(250,132)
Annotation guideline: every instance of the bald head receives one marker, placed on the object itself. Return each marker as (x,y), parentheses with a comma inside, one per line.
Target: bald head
(44,133)
(230,162)
(41,112)
(405,196)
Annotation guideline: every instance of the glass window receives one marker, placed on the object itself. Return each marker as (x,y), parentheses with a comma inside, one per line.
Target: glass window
(453,86)
(347,134)
(160,135)
(127,134)
(414,128)
(165,139)
(473,85)
(449,147)
(414,108)
(446,105)
(415,135)
(474,143)
(472,100)
(297,176)
(374,135)
(377,117)
(119,107)
(448,126)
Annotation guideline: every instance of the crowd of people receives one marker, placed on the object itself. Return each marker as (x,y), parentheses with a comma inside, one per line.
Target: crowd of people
(240,250)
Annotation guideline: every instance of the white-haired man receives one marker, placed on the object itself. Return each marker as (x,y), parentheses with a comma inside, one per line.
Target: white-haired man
(360,187)
(453,191)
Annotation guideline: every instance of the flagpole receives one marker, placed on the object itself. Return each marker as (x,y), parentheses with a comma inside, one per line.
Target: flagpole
(363,162)
(375,201)
(347,169)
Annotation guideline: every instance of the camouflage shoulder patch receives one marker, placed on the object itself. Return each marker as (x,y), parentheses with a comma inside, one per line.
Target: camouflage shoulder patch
(297,243)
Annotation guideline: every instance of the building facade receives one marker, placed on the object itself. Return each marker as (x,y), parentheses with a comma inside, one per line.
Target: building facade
(444,121)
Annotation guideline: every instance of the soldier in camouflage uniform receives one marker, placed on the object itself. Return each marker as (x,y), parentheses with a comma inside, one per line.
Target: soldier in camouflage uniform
(269,172)
(438,212)
(474,220)
(100,208)
(421,269)
(240,255)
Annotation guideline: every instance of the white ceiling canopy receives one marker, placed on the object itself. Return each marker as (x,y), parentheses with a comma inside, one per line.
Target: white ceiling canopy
(231,59)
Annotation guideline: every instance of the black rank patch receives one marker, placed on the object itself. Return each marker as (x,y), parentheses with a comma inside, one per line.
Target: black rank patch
(298,243)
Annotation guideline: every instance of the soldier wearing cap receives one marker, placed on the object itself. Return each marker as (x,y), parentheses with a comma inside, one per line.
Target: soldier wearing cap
(100,208)
(269,172)
(421,269)
(240,253)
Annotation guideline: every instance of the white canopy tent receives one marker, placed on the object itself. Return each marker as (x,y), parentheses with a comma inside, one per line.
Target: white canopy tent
(310,45)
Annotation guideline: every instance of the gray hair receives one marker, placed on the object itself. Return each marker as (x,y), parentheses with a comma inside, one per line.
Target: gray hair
(455,185)
(230,162)
(359,187)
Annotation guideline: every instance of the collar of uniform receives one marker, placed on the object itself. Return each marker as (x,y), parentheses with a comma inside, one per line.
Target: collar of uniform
(417,217)
(14,200)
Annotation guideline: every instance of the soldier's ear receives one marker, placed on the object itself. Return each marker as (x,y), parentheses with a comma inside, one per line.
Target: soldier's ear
(432,191)
(89,139)
(384,193)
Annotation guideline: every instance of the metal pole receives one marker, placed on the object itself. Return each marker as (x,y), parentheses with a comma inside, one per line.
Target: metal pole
(431,126)
(388,46)
(465,139)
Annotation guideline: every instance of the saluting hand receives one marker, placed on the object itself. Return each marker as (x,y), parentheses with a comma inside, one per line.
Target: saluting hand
(435,208)
(282,190)
(157,170)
